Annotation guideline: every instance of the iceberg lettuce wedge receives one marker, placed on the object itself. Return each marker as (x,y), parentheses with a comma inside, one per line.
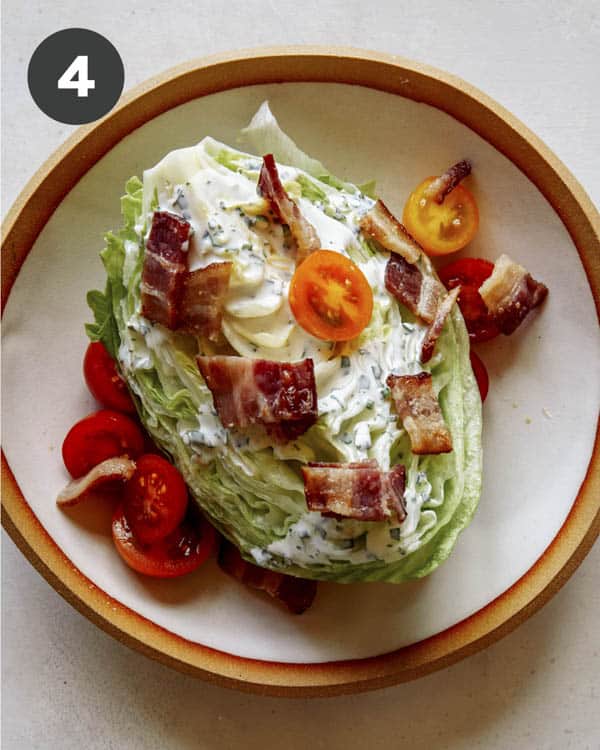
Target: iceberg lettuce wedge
(250,489)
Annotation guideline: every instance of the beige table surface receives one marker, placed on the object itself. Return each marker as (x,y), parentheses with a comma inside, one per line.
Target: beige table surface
(68,685)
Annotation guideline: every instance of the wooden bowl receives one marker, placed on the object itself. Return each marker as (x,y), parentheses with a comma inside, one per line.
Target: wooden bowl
(397,120)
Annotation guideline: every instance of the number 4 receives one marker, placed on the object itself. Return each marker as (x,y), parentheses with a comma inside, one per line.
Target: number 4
(76,77)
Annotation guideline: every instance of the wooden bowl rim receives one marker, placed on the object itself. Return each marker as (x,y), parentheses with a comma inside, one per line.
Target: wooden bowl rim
(392,74)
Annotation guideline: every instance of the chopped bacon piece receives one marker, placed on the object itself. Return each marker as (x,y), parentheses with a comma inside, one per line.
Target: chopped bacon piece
(165,267)
(282,396)
(419,409)
(433,332)
(111,470)
(172,295)
(203,299)
(369,463)
(510,293)
(270,187)
(418,292)
(356,490)
(380,224)
(285,432)
(445,183)
(296,593)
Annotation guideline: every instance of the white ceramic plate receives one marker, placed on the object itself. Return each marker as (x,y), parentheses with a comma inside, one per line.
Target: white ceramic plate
(540,418)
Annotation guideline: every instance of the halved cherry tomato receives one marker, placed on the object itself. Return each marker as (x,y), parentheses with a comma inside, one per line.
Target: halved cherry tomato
(481,375)
(441,228)
(155,499)
(181,552)
(330,296)
(103,380)
(99,436)
(466,271)
(469,274)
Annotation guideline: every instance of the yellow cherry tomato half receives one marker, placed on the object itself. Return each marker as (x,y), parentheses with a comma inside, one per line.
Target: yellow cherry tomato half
(441,228)
(330,296)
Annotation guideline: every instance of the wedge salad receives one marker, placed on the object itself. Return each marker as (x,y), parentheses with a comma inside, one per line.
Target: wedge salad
(289,346)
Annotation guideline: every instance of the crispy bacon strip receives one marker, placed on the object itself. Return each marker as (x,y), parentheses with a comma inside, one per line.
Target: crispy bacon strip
(419,409)
(296,593)
(282,396)
(270,187)
(445,183)
(111,470)
(510,293)
(421,294)
(356,490)
(165,267)
(433,332)
(203,299)
(172,295)
(285,432)
(380,224)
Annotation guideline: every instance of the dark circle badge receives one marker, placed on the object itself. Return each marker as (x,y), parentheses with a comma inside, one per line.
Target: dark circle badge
(75,76)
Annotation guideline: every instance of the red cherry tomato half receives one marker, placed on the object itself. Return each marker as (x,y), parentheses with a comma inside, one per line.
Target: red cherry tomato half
(181,552)
(155,499)
(469,274)
(481,375)
(99,436)
(467,271)
(103,379)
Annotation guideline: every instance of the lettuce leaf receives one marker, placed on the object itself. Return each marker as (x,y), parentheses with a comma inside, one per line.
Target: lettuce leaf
(263,135)
(103,304)
(104,328)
